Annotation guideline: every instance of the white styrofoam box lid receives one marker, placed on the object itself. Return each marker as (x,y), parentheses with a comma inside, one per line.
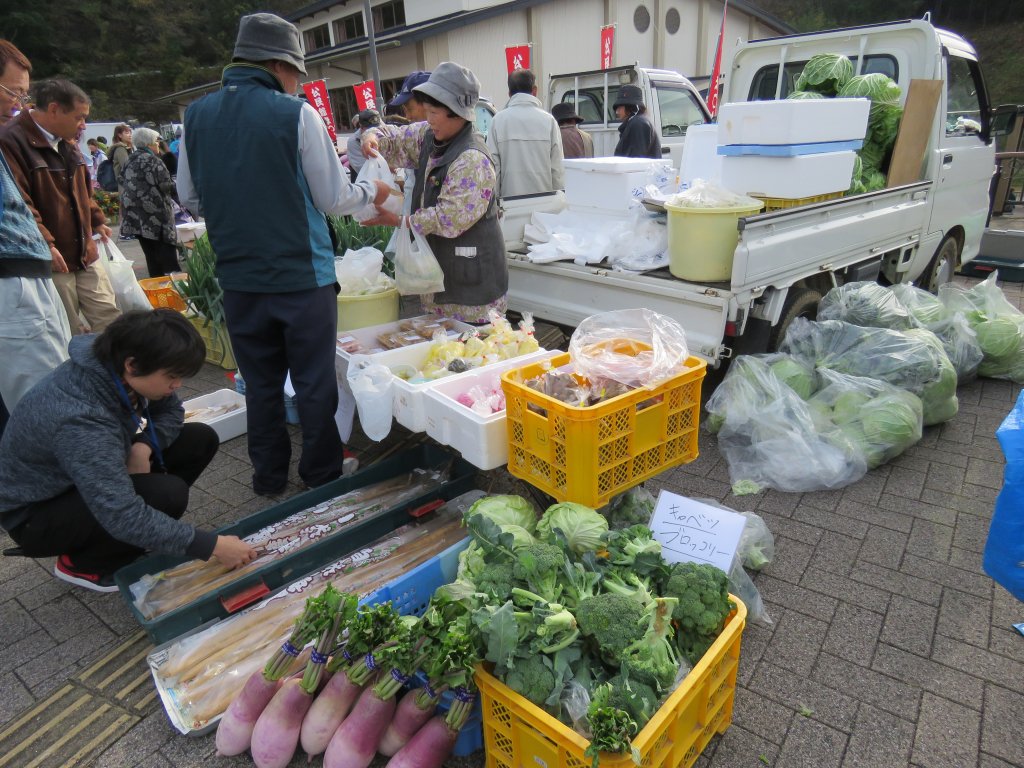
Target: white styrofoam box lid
(700,160)
(792,121)
(788,177)
(612,164)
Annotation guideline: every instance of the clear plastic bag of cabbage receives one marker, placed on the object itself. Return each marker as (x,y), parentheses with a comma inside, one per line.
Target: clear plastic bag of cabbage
(825,73)
(771,440)
(957,337)
(744,384)
(868,304)
(878,418)
(913,360)
(998,325)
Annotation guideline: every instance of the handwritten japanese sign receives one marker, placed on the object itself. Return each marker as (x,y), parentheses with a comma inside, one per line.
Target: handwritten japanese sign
(517,57)
(366,94)
(316,94)
(690,531)
(607,45)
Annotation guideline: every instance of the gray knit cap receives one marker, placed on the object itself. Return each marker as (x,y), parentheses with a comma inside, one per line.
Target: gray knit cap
(268,37)
(454,86)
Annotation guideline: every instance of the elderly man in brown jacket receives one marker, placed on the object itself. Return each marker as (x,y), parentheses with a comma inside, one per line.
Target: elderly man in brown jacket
(54,181)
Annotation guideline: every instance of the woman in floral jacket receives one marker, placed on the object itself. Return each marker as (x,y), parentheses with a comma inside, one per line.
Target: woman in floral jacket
(146,204)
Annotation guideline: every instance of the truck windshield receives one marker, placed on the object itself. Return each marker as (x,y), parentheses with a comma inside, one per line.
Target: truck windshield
(679,110)
(762,88)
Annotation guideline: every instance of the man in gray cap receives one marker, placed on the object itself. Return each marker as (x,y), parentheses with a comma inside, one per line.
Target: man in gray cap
(258,164)
(637,137)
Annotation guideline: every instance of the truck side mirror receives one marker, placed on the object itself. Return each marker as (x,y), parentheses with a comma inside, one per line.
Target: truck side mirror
(1004,119)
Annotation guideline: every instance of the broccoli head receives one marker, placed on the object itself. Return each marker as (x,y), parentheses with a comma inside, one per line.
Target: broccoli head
(613,621)
(634,548)
(532,677)
(540,566)
(652,659)
(496,581)
(703,594)
(628,584)
(637,698)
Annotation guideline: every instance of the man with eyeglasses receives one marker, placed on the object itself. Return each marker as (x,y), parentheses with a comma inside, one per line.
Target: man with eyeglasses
(34,332)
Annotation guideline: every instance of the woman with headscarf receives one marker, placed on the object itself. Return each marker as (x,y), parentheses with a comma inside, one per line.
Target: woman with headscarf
(454,198)
(146,207)
(637,137)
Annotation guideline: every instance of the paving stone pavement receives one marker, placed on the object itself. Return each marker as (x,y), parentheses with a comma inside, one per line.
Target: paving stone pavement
(889,647)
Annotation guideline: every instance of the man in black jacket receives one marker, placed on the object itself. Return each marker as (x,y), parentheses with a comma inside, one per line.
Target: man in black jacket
(637,135)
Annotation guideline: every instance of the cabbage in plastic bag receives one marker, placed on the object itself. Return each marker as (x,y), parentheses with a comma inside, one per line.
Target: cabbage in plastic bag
(998,325)
(913,360)
(867,304)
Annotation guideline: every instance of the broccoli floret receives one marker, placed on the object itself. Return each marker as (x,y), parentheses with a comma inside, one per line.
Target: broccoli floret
(634,548)
(578,584)
(703,594)
(628,585)
(553,627)
(613,621)
(635,697)
(652,659)
(496,581)
(532,677)
(540,565)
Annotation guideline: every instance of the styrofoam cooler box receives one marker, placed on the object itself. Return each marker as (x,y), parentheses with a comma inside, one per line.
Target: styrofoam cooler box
(788,177)
(367,337)
(481,440)
(793,121)
(610,183)
(228,425)
(699,160)
(410,400)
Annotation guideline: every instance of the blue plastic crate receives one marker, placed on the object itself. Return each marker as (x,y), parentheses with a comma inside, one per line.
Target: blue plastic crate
(410,594)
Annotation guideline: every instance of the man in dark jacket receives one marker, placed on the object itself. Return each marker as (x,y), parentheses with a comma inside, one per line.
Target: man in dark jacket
(575,143)
(54,181)
(637,135)
(79,476)
(259,165)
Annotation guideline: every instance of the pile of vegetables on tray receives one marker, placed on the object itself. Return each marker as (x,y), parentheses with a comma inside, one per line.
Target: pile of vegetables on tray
(831,75)
(202,672)
(496,342)
(159,593)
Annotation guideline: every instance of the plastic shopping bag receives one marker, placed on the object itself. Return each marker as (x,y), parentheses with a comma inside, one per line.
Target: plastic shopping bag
(416,267)
(371,387)
(128,294)
(1004,551)
(376,169)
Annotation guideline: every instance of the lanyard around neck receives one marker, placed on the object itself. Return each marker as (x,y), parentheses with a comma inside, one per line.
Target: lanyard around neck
(154,441)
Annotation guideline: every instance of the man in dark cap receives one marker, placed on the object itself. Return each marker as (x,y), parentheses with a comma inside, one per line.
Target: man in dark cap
(259,165)
(637,136)
(407,99)
(575,143)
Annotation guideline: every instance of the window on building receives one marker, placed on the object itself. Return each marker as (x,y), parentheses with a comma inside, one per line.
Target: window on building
(389,15)
(317,38)
(349,28)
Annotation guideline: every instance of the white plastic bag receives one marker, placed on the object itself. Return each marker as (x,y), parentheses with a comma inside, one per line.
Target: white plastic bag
(128,294)
(416,269)
(371,387)
(359,272)
(376,169)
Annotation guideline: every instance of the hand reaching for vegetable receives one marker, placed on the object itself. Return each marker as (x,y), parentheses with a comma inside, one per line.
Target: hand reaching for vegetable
(233,552)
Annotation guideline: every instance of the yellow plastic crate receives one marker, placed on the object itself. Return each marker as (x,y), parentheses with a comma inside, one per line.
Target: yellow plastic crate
(588,455)
(781,203)
(519,734)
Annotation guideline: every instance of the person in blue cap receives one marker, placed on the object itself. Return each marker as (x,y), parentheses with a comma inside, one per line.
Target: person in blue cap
(413,109)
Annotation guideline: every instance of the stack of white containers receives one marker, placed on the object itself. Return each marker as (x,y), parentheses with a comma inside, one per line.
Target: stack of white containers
(605,186)
(790,149)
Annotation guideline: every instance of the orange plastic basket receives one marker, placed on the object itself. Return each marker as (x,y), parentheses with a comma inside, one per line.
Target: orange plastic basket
(160,291)
(588,455)
(519,734)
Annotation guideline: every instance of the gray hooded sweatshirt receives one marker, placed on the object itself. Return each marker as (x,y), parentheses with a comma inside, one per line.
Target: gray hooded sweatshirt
(71,430)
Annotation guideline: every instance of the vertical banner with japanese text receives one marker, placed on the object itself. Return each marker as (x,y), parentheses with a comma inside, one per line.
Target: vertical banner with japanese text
(517,57)
(366,95)
(316,94)
(716,70)
(607,45)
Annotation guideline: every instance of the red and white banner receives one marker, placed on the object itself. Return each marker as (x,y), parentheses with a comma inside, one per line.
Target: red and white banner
(517,57)
(366,95)
(716,70)
(316,93)
(607,45)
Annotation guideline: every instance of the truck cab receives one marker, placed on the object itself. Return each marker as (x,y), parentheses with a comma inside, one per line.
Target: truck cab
(673,104)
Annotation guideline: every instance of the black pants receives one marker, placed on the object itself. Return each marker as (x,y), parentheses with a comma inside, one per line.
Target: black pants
(272,334)
(64,525)
(161,257)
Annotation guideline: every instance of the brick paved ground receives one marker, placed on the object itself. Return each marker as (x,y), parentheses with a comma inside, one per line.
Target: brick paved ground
(889,646)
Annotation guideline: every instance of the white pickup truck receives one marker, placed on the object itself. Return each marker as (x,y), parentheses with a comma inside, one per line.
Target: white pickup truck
(786,260)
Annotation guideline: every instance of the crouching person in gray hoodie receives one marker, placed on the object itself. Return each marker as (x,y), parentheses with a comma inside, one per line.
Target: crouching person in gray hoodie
(96,461)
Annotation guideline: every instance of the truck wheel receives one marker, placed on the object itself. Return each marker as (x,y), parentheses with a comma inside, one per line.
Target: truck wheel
(943,264)
(800,302)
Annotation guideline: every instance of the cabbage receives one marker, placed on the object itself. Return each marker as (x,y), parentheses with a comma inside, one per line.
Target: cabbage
(582,527)
(505,511)
(924,307)
(881,89)
(848,405)
(795,374)
(825,73)
(798,95)
(866,304)
(884,124)
(998,337)
(893,420)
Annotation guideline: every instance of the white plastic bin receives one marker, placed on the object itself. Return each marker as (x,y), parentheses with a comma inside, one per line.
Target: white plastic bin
(788,177)
(228,425)
(793,121)
(610,183)
(481,440)
(700,160)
